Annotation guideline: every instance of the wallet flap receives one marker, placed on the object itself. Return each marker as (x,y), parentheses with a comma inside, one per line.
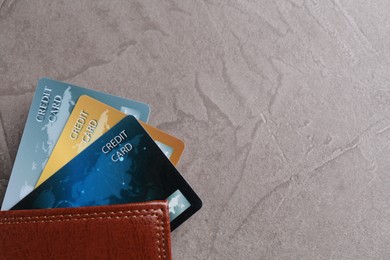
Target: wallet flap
(126,231)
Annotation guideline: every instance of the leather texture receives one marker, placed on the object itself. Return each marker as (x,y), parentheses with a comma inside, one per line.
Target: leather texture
(127,231)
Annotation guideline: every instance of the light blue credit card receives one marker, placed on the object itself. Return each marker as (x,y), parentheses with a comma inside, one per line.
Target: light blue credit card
(51,107)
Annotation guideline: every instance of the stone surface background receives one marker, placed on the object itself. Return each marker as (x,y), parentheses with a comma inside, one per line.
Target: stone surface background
(284,107)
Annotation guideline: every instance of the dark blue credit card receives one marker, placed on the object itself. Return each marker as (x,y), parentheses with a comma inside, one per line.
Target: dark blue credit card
(122,166)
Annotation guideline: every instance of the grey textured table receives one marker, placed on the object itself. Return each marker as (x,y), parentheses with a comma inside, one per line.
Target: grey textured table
(284,107)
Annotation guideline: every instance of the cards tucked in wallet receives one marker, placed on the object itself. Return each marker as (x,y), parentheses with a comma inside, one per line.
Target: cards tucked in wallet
(126,231)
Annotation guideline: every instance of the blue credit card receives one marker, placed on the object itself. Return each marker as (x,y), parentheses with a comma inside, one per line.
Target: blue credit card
(124,165)
(51,106)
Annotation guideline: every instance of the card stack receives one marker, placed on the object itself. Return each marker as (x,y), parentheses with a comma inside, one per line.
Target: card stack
(82,147)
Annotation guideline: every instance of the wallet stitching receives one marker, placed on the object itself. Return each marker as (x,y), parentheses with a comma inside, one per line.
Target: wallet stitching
(87,216)
(82,214)
(163,237)
(71,219)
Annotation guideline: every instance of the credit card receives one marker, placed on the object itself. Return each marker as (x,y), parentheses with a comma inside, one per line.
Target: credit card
(89,120)
(51,106)
(122,166)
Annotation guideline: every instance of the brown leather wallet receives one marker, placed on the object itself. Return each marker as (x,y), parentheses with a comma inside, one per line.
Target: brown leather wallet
(127,231)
